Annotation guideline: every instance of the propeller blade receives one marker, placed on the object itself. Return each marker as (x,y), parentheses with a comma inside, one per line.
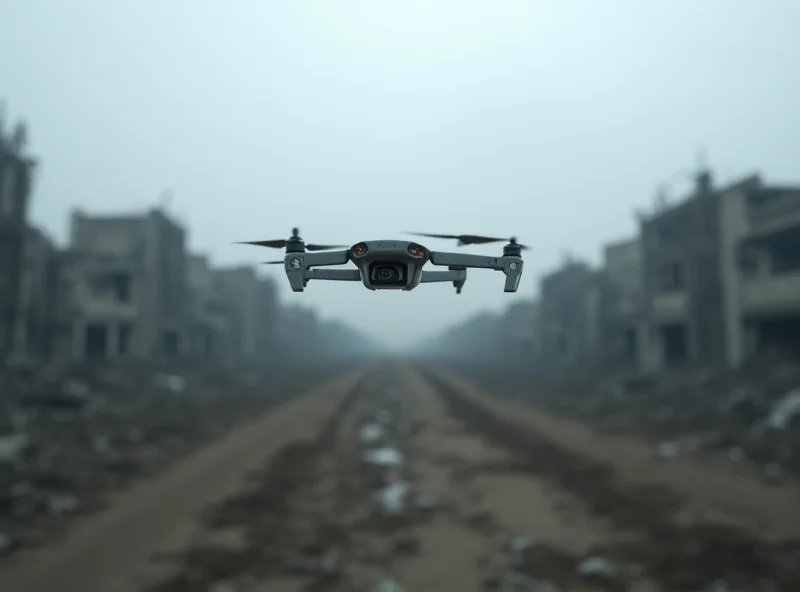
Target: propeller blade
(313,247)
(463,239)
(274,244)
(445,236)
(472,239)
(476,239)
(281,262)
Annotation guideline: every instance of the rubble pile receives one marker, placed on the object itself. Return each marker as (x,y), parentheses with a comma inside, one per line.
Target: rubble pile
(394,496)
(396,503)
(752,414)
(70,435)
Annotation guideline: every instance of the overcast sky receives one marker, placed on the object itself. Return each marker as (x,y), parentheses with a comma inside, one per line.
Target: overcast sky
(549,120)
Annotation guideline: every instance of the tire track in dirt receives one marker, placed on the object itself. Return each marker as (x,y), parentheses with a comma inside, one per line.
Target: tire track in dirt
(253,530)
(678,556)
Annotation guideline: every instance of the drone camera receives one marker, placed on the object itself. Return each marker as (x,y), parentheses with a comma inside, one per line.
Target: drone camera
(388,273)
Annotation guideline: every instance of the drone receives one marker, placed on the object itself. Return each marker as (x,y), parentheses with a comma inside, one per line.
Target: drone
(392,264)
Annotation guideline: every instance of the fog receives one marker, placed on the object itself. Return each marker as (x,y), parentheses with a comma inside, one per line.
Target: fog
(551,121)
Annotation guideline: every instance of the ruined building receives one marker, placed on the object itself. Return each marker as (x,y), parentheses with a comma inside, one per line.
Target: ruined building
(128,277)
(16,173)
(255,302)
(620,304)
(41,328)
(720,274)
(761,269)
(212,317)
(569,309)
(682,286)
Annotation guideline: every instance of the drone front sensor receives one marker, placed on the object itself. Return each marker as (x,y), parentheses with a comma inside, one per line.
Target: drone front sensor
(393,264)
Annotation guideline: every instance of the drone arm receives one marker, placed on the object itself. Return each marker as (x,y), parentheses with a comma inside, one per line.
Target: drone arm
(338,275)
(511,266)
(297,267)
(326,258)
(466,260)
(458,275)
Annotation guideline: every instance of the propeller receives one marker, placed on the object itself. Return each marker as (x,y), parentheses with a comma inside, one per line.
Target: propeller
(280,262)
(282,242)
(472,239)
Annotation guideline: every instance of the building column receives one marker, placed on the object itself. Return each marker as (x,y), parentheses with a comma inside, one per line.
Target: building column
(112,340)
(79,339)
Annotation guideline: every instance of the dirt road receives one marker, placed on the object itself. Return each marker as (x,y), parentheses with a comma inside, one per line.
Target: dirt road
(111,551)
(421,481)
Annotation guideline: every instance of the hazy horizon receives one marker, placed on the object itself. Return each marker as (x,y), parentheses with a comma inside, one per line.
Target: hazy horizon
(550,121)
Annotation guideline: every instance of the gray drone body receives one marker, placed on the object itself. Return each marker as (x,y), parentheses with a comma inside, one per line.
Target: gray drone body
(392,264)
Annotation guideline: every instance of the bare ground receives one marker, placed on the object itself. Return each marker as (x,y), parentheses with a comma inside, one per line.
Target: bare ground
(515,499)
(111,551)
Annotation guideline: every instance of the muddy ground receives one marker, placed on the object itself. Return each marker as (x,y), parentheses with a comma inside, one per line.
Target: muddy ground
(403,480)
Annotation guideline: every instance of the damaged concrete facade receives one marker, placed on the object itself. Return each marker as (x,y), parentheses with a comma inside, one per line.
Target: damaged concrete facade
(40,327)
(620,316)
(255,302)
(569,309)
(683,285)
(721,275)
(212,318)
(129,283)
(16,176)
(762,269)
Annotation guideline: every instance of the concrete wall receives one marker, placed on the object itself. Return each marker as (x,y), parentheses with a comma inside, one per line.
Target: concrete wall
(238,286)
(569,306)
(16,177)
(620,324)
(211,325)
(695,237)
(150,251)
(37,325)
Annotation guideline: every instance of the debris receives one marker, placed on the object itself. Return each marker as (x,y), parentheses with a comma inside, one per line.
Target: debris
(425,501)
(392,498)
(388,585)
(785,411)
(596,567)
(70,434)
(7,543)
(385,457)
(171,382)
(518,581)
(371,433)
(518,547)
(331,561)
(12,447)
(751,414)
(669,449)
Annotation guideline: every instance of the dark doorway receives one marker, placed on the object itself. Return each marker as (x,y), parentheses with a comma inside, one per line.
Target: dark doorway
(171,343)
(630,345)
(674,344)
(124,339)
(781,333)
(96,341)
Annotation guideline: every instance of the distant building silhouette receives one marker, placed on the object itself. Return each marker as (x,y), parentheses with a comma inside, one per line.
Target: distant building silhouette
(16,177)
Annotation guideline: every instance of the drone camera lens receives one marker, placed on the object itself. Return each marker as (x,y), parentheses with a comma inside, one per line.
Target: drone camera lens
(387,274)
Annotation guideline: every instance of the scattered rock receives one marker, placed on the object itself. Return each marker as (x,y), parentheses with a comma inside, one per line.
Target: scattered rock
(388,585)
(596,568)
